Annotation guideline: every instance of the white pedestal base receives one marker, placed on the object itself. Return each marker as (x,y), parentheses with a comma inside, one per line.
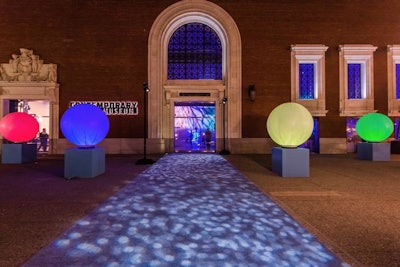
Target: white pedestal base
(18,153)
(373,151)
(84,163)
(291,162)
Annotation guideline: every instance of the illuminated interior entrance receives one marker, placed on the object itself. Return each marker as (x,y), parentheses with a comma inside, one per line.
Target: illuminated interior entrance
(194,127)
(40,109)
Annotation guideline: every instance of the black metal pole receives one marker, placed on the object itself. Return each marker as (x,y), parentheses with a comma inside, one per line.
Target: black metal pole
(144,160)
(224,151)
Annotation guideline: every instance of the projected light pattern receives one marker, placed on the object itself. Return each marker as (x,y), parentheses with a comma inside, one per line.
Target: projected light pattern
(187,210)
(195,116)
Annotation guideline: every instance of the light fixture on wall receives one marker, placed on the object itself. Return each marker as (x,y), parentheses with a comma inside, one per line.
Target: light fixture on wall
(252,92)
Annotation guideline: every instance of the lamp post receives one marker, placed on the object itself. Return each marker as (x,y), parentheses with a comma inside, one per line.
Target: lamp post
(144,160)
(224,151)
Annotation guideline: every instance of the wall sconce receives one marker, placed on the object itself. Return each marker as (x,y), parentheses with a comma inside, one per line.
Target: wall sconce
(252,92)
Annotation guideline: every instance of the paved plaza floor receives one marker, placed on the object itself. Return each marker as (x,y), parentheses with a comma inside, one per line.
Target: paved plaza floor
(350,206)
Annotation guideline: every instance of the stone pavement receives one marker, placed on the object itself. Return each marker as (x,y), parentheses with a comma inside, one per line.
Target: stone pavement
(187,210)
(352,205)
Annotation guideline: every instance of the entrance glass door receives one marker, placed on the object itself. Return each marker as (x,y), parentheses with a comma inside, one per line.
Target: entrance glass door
(194,126)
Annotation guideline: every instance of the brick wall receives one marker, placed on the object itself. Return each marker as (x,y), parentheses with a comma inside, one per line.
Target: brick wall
(100,48)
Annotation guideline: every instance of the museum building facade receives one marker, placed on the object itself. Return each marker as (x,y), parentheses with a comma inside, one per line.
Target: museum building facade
(202,76)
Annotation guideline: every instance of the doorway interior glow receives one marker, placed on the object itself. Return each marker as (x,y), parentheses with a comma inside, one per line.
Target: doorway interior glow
(40,109)
(194,127)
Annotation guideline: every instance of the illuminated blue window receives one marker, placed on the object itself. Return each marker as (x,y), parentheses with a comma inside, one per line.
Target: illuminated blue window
(194,52)
(397,81)
(354,81)
(306,80)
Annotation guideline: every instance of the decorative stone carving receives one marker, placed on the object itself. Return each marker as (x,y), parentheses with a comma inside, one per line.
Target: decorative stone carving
(27,67)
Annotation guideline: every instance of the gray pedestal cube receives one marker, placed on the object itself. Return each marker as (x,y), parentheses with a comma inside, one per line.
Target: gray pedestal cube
(373,151)
(18,153)
(291,162)
(84,163)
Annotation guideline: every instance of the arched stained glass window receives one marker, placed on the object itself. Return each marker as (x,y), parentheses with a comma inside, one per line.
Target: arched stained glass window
(194,52)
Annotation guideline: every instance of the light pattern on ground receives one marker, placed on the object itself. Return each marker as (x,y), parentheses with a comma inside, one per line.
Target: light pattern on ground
(187,210)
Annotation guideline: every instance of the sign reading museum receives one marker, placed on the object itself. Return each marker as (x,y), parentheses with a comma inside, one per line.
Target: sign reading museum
(113,107)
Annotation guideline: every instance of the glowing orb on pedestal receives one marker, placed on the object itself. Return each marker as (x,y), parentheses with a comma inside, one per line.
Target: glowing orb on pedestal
(374,127)
(19,127)
(290,125)
(84,125)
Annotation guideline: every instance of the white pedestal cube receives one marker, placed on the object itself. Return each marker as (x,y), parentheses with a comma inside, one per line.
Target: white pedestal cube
(19,153)
(84,163)
(291,162)
(373,151)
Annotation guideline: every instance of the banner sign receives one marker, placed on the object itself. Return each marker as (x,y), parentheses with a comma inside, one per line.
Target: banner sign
(113,107)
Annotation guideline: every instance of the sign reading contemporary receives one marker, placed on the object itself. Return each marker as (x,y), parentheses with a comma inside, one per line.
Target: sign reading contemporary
(113,107)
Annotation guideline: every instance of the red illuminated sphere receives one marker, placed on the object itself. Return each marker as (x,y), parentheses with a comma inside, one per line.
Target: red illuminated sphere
(19,127)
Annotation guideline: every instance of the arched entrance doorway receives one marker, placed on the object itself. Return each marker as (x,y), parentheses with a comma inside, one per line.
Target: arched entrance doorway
(166,92)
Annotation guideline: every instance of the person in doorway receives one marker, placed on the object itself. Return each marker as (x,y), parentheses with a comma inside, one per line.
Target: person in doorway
(43,139)
(207,137)
(195,136)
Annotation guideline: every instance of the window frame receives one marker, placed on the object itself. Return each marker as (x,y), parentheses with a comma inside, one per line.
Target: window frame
(309,54)
(393,58)
(357,54)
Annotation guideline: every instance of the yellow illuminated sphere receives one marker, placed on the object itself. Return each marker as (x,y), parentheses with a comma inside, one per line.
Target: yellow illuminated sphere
(290,125)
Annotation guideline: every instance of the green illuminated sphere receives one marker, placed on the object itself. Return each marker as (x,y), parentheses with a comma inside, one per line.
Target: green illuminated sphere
(290,125)
(374,127)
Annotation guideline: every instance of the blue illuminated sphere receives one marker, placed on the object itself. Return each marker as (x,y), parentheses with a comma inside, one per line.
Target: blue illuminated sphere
(84,125)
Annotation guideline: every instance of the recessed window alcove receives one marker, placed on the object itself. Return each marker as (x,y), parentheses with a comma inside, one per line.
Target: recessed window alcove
(165,92)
